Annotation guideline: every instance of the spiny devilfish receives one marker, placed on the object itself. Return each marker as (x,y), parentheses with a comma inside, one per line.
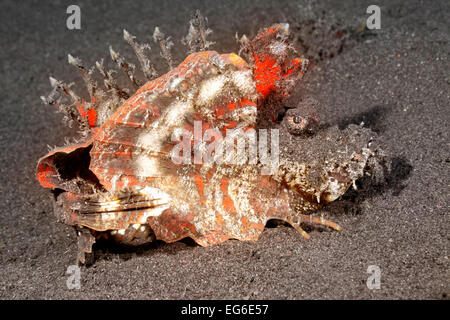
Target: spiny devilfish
(120,181)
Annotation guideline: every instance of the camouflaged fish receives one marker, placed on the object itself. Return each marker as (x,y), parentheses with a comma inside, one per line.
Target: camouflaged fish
(122,182)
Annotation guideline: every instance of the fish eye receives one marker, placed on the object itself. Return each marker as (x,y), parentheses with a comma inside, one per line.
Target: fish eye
(297,124)
(297,119)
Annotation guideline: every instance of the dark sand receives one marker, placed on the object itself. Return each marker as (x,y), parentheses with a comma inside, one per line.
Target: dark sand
(395,79)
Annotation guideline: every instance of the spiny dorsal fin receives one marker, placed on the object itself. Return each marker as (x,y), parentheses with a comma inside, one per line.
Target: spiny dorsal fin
(197,34)
(103,102)
(165,45)
(147,67)
(86,75)
(110,82)
(69,111)
(56,84)
(127,67)
(244,45)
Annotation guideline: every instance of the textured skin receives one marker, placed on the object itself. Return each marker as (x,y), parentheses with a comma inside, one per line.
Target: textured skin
(123,180)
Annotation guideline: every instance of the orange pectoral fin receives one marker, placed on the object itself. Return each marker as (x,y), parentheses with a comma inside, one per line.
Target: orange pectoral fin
(50,175)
